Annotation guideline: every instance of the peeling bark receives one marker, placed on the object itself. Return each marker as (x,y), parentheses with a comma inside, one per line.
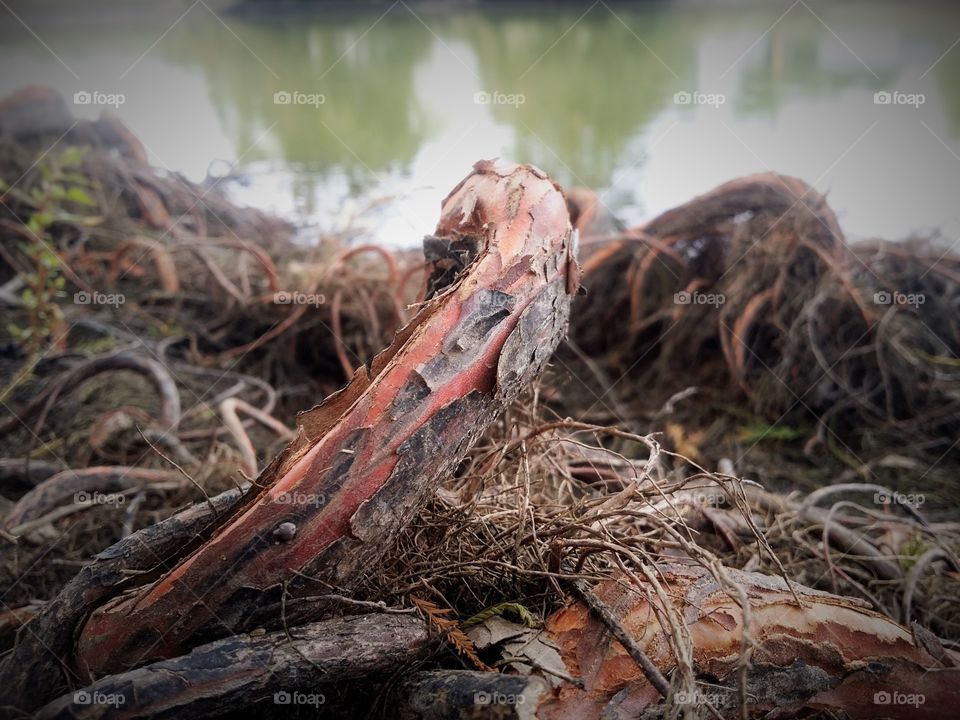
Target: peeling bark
(366,459)
(231,674)
(832,654)
(35,670)
(828,654)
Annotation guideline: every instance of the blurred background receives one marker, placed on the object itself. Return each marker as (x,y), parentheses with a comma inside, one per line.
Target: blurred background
(648,103)
(212,214)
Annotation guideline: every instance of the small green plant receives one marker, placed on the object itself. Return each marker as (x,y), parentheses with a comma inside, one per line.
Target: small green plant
(41,287)
(59,191)
(756,430)
(911,550)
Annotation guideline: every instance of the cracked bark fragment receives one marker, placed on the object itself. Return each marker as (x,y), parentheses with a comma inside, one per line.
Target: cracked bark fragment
(831,654)
(406,421)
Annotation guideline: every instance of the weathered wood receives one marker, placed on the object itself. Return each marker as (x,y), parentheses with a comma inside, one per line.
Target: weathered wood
(35,670)
(467,695)
(831,654)
(828,653)
(366,459)
(233,673)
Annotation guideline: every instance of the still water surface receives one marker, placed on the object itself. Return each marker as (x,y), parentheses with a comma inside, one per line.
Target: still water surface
(396,106)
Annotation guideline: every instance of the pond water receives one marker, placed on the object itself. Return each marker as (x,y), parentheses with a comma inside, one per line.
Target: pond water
(648,103)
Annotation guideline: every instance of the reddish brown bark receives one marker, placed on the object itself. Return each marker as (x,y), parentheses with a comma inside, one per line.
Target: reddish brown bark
(367,458)
(825,653)
(829,654)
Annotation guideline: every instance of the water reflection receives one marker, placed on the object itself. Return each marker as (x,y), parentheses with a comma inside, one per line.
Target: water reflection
(400,116)
(368,90)
(589,94)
